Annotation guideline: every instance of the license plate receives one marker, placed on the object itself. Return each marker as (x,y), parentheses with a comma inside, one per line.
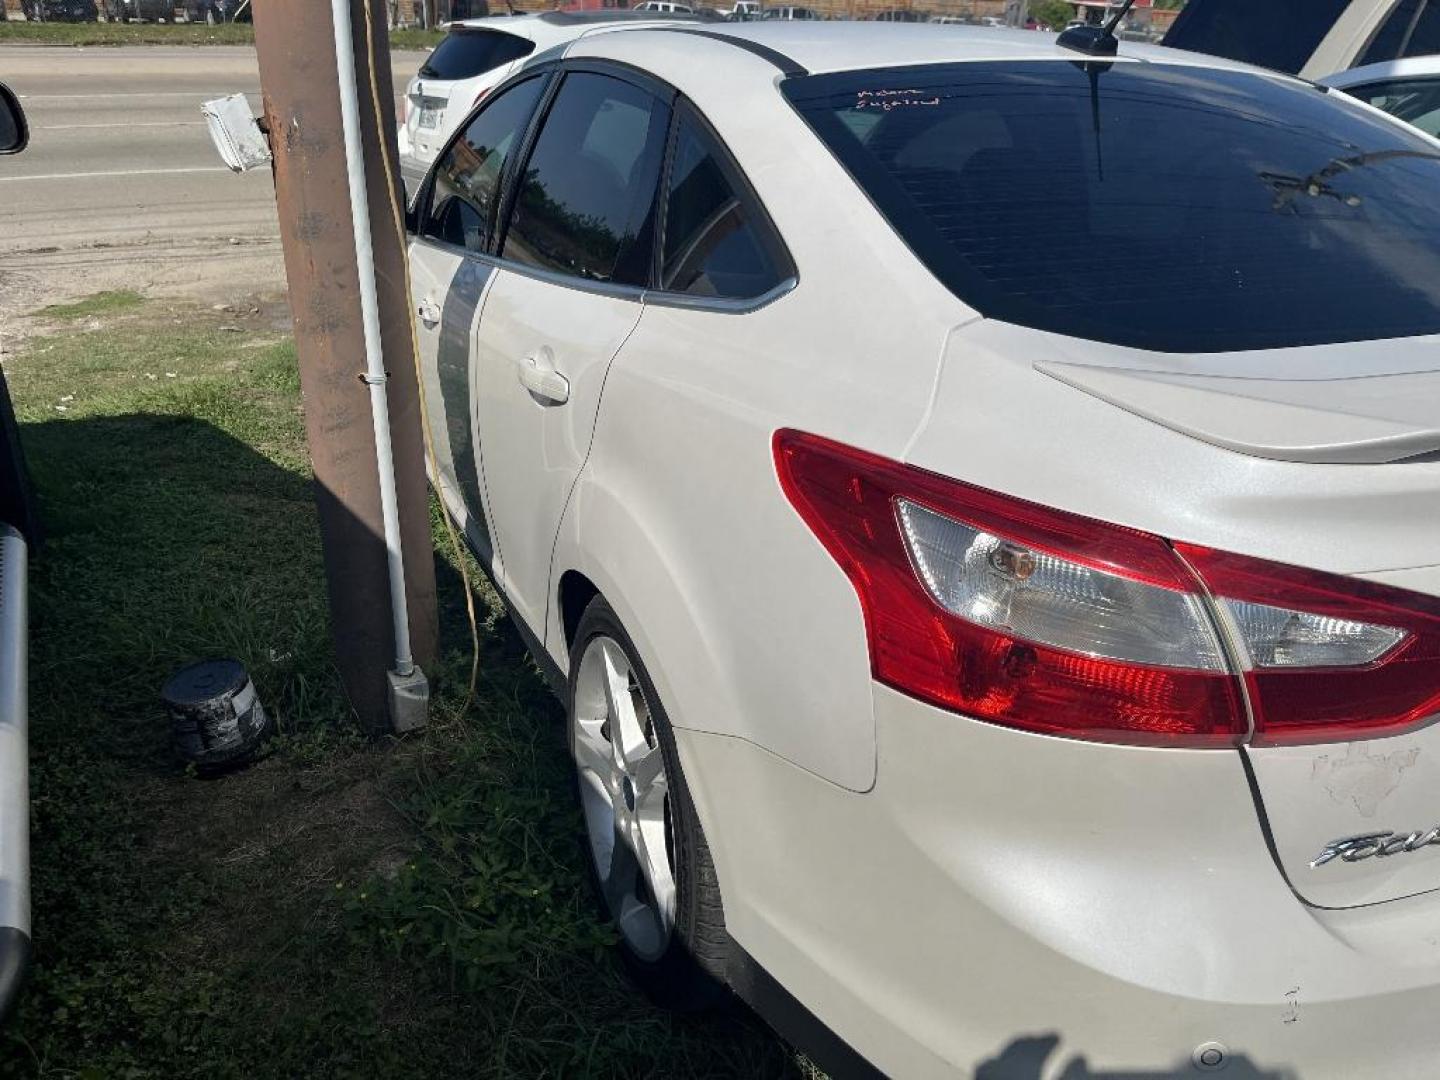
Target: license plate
(430,118)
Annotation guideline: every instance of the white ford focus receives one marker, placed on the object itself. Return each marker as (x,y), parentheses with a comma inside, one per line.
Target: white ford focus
(981,505)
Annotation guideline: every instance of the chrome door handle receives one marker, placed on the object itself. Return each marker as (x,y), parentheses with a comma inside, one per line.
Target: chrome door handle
(429,311)
(543,382)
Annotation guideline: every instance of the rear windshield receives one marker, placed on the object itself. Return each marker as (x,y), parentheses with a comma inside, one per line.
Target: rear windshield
(1158,206)
(463,54)
(1279,34)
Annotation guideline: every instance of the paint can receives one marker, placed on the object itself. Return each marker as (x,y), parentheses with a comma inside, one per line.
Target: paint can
(216,716)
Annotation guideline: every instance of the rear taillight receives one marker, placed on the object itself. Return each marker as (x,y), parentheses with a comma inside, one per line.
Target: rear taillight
(1047,621)
(1325,657)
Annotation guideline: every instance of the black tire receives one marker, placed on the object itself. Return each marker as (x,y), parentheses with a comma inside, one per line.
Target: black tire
(690,975)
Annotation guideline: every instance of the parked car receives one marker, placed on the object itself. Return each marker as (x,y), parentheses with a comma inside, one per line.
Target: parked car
(663,7)
(743,10)
(59,10)
(473,57)
(142,10)
(214,12)
(790,13)
(996,597)
(1408,89)
(1312,38)
(905,15)
(17,530)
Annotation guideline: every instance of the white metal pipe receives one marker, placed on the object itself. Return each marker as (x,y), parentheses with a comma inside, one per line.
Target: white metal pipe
(375,375)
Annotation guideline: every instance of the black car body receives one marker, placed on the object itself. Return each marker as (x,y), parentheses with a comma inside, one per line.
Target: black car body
(60,10)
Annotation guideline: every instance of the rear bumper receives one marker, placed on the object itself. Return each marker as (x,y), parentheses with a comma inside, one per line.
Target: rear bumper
(1023,906)
(14,771)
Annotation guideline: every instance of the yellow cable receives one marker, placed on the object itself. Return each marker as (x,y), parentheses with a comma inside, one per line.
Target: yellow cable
(399,222)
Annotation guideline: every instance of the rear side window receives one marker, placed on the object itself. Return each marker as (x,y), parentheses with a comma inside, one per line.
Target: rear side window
(463,54)
(1412,29)
(717,242)
(1279,34)
(586,199)
(1162,207)
(467,179)
(1416,101)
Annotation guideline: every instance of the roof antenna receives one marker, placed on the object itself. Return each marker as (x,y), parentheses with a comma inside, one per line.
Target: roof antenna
(1096,40)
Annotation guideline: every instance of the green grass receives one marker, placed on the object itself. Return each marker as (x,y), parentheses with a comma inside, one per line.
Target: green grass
(98,33)
(103,303)
(342,908)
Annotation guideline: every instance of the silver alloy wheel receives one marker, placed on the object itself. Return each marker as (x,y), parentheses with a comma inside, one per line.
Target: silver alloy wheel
(625,797)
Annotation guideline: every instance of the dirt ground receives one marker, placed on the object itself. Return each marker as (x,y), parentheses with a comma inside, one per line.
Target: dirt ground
(239,272)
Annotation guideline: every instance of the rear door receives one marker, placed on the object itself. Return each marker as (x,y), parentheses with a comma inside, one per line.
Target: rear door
(447,85)
(576,256)
(449,277)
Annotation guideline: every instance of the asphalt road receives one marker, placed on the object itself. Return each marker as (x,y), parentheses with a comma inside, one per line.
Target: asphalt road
(120,178)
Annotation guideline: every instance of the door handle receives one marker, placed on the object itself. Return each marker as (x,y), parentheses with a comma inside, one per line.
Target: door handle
(429,311)
(543,382)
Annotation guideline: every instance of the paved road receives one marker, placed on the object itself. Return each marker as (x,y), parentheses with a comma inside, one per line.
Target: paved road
(120,175)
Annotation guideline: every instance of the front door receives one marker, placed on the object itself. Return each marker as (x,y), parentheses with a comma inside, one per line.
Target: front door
(575,257)
(449,278)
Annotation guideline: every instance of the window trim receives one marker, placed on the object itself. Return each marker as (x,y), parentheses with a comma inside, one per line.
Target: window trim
(424,199)
(510,190)
(750,204)
(554,71)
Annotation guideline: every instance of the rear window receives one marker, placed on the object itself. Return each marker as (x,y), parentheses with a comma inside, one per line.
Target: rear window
(1157,206)
(463,54)
(1279,34)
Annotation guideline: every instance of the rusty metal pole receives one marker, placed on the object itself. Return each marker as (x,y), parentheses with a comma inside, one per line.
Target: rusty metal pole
(299,81)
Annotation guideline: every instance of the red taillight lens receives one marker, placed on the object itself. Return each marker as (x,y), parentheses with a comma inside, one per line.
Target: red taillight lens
(950,575)
(1325,657)
(1047,621)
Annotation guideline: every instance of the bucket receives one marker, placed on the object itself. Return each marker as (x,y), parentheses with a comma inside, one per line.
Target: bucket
(216,716)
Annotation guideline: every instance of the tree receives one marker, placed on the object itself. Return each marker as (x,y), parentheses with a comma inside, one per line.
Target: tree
(1051,14)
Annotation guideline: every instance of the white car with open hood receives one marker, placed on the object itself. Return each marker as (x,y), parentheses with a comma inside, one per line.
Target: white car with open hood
(980,503)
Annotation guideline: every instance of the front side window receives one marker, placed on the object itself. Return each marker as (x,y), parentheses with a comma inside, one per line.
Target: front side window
(464,53)
(467,179)
(714,245)
(586,199)
(1416,101)
(1165,207)
(1412,29)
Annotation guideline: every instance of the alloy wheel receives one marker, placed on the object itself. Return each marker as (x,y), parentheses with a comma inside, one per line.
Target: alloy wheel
(625,796)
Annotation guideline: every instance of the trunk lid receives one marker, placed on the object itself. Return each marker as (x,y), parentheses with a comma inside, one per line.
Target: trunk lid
(1386,790)
(1325,457)
(1366,403)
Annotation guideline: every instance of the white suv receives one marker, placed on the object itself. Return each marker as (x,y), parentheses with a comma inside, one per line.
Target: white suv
(478,54)
(981,507)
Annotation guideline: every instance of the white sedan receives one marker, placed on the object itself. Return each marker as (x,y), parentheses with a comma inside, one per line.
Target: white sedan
(980,505)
